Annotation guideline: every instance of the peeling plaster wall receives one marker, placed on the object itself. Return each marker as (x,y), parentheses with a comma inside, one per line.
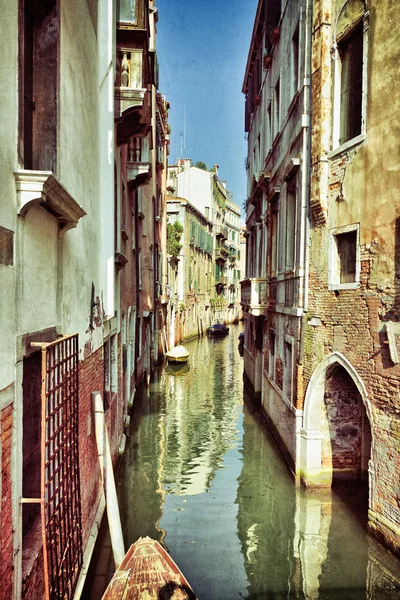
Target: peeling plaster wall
(358,184)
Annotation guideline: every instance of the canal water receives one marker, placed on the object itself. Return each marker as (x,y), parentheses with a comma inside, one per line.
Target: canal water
(203,475)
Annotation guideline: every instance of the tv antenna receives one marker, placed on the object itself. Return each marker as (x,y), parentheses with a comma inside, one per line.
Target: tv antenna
(181,139)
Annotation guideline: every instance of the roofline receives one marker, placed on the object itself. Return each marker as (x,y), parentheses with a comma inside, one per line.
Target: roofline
(251,49)
(186,202)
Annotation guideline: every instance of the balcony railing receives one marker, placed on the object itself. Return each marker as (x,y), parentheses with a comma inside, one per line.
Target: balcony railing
(222,279)
(132,101)
(221,231)
(138,165)
(254,296)
(221,254)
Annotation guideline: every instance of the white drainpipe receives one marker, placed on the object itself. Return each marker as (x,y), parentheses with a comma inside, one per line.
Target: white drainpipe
(305,180)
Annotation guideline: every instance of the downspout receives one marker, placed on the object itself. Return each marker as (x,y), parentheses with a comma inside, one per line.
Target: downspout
(154,320)
(306,174)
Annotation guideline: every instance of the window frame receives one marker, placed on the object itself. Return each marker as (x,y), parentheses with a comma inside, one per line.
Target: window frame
(292,194)
(334,259)
(272,355)
(288,342)
(338,146)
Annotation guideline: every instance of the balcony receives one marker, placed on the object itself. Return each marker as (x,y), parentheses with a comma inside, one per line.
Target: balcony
(138,164)
(253,296)
(221,280)
(221,232)
(221,254)
(132,100)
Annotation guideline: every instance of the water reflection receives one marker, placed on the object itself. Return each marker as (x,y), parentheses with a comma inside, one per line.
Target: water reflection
(177,369)
(202,475)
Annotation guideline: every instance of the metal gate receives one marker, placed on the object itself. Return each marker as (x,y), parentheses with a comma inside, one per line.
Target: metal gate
(60,487)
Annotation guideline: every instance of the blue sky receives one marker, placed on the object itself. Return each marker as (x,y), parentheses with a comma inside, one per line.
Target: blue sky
(202,48)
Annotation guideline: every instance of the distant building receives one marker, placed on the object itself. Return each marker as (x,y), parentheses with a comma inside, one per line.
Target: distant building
(190,273)
(203,191)
(321,293)
(233,272)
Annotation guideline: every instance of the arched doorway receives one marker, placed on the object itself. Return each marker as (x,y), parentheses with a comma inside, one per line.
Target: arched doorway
(336,440)
(346,443)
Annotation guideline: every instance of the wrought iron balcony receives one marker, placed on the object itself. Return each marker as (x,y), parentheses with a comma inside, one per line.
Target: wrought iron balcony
(254,297)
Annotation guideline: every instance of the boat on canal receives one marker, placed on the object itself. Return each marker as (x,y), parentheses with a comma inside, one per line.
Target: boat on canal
(177,355)
(148,572)
(218,328)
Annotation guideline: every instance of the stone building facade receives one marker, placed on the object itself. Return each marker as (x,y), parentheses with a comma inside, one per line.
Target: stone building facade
(190,272)
(321,346)
(204,191)
(78,84)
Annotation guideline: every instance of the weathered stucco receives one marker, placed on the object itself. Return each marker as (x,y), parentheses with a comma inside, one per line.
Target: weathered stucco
(357,186)
(8,213)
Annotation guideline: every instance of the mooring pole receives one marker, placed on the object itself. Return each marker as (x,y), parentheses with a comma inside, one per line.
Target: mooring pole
(107,476)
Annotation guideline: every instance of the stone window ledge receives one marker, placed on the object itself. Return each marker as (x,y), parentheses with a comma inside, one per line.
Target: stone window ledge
(43,188)
(349,145)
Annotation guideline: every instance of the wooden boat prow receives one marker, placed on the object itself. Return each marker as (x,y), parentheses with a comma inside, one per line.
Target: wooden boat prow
(148,572)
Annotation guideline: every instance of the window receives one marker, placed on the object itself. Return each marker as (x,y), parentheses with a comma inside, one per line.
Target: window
(346,247)
(38,76)
(139,269)
(127,11)
(295,61)
(271,361)
(350,54)
(351,64)
(344,267)
(276,124)
(290,225)
(110,370)
(274,239)
(139,338)
(269,128)
(288,368)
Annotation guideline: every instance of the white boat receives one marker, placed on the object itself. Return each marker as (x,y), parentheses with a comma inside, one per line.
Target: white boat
(179,354)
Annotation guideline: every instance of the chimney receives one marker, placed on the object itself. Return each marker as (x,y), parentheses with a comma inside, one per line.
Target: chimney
(216,167)
(188,163)
(224,183)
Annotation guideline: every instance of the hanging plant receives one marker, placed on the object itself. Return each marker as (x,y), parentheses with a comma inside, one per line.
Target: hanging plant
(174,233)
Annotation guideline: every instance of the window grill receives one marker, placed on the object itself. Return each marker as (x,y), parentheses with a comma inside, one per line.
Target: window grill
(60,488)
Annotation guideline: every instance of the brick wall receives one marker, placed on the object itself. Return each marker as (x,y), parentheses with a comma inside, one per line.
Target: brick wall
(33,586)
(343,413)
(91,379)
(6,537)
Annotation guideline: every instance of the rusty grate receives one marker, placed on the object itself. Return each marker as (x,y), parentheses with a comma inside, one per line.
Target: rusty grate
(61,504)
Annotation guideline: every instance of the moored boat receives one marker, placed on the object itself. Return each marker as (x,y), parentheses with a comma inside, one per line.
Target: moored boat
(177,355)
(148,573)
(218,328)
